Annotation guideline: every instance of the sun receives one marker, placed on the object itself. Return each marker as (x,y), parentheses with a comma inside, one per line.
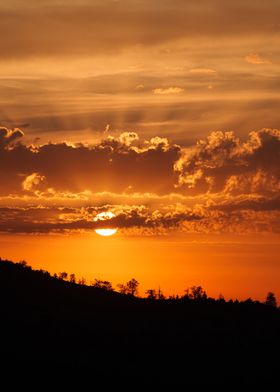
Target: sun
(103,216)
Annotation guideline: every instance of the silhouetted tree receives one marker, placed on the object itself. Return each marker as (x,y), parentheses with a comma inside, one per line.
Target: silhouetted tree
(82,281)
(196,293)
(63,275)
(271,300)
(122,288)
(72,278)
(174,297)
(151,294)
(132,287)
(221,298)
(160,294)
(103,284)
(44,272)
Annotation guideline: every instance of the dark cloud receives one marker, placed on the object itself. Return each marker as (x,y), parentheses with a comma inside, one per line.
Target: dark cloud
(46,220)
(113,165)
(141,220)
(8,136)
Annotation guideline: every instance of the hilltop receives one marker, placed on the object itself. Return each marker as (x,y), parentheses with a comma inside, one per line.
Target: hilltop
(52,325)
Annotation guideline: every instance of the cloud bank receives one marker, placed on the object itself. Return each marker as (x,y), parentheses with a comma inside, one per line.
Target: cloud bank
(219,185)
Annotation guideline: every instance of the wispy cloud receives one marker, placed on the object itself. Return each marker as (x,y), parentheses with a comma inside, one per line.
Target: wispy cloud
(168,90)
(202,71)
(255,58)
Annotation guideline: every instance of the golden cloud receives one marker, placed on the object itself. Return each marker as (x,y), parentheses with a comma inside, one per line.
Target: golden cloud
(168,90)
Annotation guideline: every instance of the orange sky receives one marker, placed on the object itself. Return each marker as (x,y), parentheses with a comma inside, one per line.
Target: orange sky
(238,268)
(165,113)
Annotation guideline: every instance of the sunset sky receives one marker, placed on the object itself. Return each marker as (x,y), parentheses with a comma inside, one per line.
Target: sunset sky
(164,113)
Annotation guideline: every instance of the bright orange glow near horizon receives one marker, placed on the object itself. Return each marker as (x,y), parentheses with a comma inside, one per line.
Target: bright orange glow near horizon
(236,269)
(151,152)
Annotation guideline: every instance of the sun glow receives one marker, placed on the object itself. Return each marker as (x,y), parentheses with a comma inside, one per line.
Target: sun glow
(103,216)
(106,232)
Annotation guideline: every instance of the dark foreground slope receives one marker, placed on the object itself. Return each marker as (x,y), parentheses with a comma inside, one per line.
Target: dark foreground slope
(50,327)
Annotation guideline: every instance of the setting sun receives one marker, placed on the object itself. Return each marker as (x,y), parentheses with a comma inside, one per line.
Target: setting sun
(106,232)
(104,216)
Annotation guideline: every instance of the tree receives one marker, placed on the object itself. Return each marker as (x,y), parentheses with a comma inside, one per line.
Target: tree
(44,272)
(72,278)
(160,294)
(122,288)
(103,284)
(196,293)
(23,264)
(221,298)
(151,294)
(63,275)
(271,300)
(82,281)
(132,287)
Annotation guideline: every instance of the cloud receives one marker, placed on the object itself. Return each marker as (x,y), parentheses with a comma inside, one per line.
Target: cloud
(60,219)
(127,138)
(141,220)
(113,165)
(140,87)
(32,181)
(9,136)
(222,163)
(254,58)
(220,184)
(168,90)
(248,202)
(202,71)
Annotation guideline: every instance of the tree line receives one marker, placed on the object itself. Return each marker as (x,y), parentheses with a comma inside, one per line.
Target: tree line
(195,293)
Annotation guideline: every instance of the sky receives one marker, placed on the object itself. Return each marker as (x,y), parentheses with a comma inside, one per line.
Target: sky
(163,113)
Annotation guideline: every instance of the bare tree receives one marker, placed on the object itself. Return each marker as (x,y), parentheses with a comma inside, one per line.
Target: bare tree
(160,294)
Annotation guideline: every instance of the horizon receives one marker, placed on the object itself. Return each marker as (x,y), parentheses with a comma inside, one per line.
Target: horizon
(142,139)
(131,287)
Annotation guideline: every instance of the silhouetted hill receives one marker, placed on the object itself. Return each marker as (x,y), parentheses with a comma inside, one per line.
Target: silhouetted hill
(49,325)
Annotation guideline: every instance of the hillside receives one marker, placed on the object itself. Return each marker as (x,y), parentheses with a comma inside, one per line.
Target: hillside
(52,326)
